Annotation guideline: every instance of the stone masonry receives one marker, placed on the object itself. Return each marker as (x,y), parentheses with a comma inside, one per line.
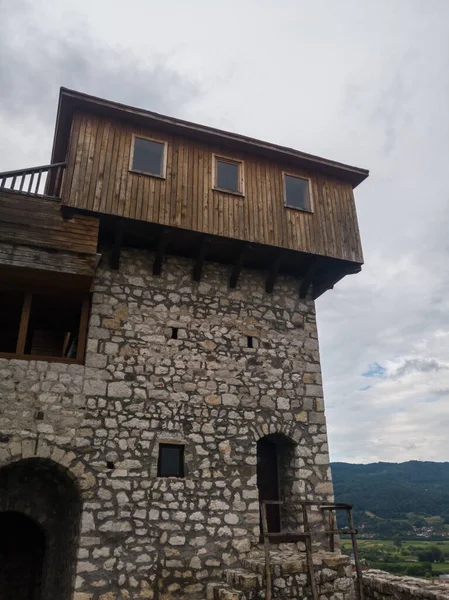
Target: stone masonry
(143,536)
(379,585)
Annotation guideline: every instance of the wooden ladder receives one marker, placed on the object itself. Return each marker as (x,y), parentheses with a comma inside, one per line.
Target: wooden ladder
(306,537)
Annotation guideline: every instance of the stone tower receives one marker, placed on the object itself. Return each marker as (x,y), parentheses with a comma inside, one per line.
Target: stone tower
(159,363)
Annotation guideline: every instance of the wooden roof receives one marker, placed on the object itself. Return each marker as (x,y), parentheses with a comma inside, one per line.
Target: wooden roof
(71,101)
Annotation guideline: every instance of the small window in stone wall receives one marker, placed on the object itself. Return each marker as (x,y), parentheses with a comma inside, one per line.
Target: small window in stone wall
(171,460)
(249,341)
(174,333)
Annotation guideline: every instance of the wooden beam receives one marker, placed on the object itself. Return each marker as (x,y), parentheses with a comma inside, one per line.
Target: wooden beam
(23,328)
(82,335)
(308,278)
(320,289)
(331,278)
(274,271)
(201,257)
(238,265)
(117,247)
(160,251)
(67,212)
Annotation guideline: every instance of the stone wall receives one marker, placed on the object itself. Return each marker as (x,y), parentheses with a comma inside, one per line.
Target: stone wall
(379,585)
(149,537)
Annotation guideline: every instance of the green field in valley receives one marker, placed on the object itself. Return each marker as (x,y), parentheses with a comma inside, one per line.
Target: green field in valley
(417,558)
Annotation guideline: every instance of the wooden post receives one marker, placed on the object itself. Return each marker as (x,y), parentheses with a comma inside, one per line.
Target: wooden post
(160,251)
(23,329)
(309,554)
(117,247)
(30,184)
(355,550)
(308,278)
(82,332)
(236,269)
(199,262)
(271,279)
(39,175)
(331,531)
(266,542)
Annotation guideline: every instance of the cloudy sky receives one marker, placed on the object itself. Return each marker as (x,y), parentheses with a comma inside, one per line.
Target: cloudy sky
(363,82)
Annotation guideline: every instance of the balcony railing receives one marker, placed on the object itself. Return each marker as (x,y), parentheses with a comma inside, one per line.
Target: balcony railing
(44,181)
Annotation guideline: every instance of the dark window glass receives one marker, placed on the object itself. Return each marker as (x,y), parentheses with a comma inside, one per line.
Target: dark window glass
(297,192)
(228,176)
(10,314)
(148,156)
(171,460)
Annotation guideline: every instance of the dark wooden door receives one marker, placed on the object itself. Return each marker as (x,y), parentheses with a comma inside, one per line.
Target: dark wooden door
(268,482)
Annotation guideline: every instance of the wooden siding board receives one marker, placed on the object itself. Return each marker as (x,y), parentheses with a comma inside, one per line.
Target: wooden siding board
(83,198)
(92,162)
(207,192)
(253,215)
(67,185)
(105,172)
(35,222)
(99,167)
(98,172)
(75,200)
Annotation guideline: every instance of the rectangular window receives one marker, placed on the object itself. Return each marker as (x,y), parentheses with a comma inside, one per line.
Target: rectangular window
(297,193)
(47,327)
(171,460)
(228,175)
(148,157)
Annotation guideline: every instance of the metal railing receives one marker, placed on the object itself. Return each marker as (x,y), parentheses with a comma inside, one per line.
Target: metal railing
(43,181)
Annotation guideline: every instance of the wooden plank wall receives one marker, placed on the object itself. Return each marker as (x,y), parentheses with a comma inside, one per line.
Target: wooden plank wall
(36,222)
(98,179)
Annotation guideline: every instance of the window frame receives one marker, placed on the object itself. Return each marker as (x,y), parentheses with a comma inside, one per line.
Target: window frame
(164,156)
(19,354)
(241,174)
(177,444)
(284,188)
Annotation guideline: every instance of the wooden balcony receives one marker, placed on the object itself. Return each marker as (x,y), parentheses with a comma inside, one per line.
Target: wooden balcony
(37,244)
(44,181)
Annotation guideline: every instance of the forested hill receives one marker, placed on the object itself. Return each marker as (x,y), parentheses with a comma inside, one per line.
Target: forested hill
(394,490)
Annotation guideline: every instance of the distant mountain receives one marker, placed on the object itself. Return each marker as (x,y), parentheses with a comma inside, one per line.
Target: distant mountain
(402,493)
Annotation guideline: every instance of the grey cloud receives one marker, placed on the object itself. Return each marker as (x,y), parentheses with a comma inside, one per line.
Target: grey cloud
(442,392)
(32,72)
(417,365)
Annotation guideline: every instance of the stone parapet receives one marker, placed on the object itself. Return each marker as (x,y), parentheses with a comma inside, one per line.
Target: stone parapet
(379,585)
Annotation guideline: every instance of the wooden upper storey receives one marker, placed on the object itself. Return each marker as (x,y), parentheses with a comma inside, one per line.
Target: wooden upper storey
(95,138)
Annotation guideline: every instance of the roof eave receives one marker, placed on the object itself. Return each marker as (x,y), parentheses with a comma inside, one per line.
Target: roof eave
(71,100)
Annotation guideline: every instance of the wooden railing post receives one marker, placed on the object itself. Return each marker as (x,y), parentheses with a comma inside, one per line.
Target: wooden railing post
(23,328)
(263,510)
(355,550)
(309,554)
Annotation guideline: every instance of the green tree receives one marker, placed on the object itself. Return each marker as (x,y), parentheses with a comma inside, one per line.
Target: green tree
(420,523)
(431,555)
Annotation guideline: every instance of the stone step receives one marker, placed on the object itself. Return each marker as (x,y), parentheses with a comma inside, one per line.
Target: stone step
(243,579)
(223,591)
(285,565)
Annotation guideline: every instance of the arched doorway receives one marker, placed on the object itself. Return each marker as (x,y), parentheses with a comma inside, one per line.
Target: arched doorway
(40,510)
(275,477)
(22,550)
